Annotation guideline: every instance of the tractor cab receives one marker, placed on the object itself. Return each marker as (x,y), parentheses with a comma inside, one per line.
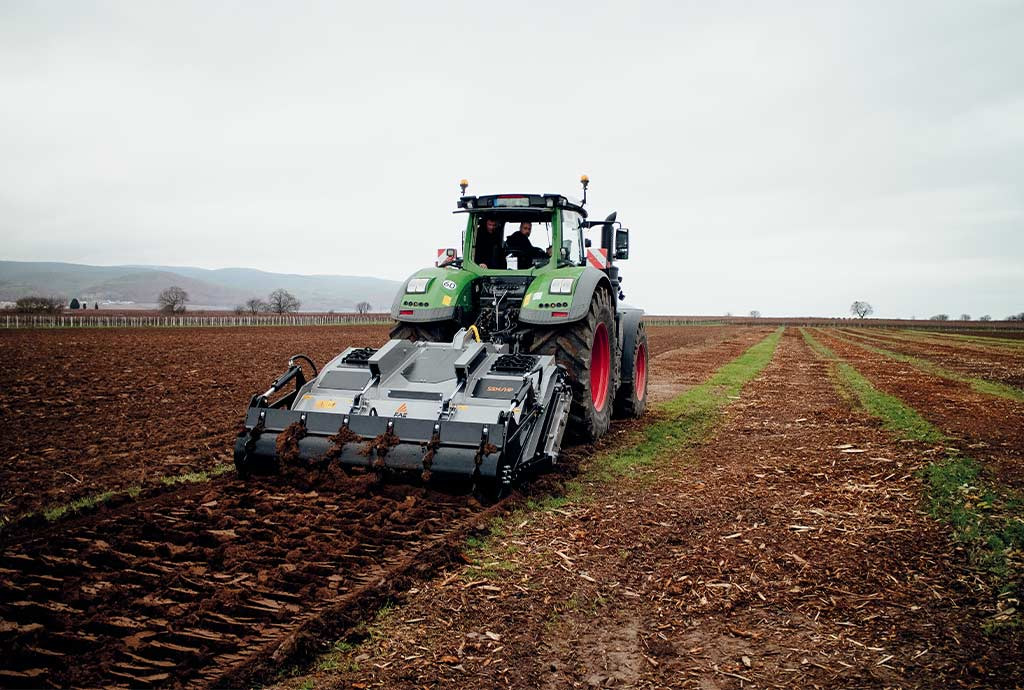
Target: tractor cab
(514,241)
(549,228)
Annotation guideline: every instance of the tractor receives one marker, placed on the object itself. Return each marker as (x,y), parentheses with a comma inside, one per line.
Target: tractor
(563,301)
(496,354)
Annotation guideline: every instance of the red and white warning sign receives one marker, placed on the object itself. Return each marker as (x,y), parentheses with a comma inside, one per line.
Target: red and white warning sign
(597,257)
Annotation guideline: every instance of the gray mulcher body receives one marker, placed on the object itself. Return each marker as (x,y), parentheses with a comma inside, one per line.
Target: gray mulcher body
(465,409)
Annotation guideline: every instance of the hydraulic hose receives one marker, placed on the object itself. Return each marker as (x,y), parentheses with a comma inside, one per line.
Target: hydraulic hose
(306,359)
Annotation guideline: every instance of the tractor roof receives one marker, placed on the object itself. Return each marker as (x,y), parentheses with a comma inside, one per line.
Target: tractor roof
(519,202)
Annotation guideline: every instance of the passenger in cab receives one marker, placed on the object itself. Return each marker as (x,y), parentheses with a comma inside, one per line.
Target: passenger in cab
(518,243)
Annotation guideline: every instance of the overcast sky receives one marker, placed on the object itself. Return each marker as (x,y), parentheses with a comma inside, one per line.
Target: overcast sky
(786,157)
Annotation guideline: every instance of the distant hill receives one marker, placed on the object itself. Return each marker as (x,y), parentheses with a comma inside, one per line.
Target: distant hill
(219,288)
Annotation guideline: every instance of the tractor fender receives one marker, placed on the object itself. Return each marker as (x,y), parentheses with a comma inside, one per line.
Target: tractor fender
(629,318)
(589,280)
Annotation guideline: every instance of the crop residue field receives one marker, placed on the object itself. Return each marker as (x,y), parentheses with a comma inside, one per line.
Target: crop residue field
(791,513)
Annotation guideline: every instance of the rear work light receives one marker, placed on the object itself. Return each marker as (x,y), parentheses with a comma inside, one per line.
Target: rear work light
(560,314)
(405,312)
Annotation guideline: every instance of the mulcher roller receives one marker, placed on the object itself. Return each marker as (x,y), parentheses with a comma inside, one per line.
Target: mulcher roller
(463,409)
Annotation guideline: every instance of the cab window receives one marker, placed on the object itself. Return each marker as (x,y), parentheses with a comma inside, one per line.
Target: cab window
(571,236)
(524,252)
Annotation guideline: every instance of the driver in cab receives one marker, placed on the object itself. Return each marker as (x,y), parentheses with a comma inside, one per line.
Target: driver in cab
(489,252)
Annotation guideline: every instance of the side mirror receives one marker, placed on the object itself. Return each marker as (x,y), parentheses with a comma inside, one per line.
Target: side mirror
(446,256)
(622,243)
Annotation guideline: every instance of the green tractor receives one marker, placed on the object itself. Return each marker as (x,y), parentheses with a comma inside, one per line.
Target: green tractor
(496,356)
(560,298)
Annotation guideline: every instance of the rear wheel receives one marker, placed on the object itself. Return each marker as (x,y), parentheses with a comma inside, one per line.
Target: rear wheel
(631,400)
(436,332)
(587,350)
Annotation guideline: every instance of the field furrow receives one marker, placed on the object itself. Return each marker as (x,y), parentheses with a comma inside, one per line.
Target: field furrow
(788,549)
(984,364)
(687,364)
(220,582)
(993,427)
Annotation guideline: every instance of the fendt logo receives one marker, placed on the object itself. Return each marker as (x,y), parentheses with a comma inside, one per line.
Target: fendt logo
(500,389)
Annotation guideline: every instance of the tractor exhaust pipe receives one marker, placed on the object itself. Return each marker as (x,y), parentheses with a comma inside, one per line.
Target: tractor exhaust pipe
(608,235)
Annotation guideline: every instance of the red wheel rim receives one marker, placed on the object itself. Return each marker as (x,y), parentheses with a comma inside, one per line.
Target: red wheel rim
(600,367)
(640,371)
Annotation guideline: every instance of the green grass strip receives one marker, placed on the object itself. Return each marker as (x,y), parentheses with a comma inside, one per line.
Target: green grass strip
(688,417)
(56,512)
(683,421)
(988,520)
(993,342)
(896,416)
(983,386)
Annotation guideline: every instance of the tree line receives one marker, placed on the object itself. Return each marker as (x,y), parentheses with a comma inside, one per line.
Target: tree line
(174,299)
(862,309)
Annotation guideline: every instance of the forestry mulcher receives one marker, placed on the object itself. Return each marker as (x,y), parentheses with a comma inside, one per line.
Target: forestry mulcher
(498,351)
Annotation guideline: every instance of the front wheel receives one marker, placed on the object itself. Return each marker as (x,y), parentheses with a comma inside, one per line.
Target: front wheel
(587,349)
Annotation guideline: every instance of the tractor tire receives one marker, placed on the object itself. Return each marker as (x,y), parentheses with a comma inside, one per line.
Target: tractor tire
(631,400)
(589,353)
(436,332)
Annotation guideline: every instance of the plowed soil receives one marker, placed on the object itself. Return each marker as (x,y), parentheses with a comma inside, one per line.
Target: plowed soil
(991,426)
(188,588)
(86,411)
(789,550)
(221,582)
(977,361)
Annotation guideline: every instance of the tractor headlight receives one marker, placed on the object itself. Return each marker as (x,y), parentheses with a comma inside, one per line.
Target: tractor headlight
(561,286)
(417,285)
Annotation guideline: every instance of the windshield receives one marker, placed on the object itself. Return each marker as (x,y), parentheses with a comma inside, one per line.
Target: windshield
(511,240)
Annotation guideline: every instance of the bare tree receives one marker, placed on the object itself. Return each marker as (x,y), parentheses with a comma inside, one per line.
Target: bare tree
(939,317)
(363,307)
(39,305)
(256,305)
(1016,317)
(861,309)
(172,300)
(755,314)
(283,302)
(986,317)
(239,309)
(965,317)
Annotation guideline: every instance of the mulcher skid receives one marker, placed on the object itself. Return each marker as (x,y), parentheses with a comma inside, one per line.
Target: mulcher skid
(463,409)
